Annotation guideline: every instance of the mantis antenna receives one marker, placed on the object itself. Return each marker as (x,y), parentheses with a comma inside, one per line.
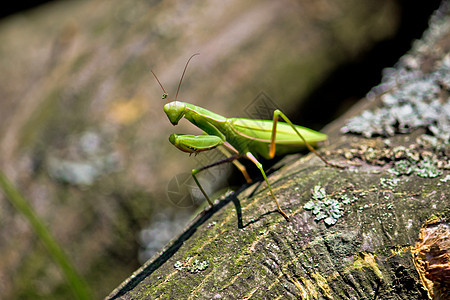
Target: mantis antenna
(165,95)
(184,71)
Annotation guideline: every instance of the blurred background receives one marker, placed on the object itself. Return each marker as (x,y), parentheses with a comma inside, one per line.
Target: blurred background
(84,138)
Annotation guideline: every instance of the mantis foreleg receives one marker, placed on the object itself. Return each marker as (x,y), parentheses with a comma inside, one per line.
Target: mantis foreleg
(276,114)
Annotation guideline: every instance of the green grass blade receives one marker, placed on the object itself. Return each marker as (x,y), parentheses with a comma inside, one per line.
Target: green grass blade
(76,282)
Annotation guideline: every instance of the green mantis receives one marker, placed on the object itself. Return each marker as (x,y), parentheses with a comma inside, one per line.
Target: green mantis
(244,138)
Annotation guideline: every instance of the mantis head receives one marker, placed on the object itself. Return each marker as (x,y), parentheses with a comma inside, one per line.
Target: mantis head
(175,111)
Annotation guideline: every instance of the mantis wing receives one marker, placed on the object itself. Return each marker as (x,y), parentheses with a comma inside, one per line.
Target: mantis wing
(261,130)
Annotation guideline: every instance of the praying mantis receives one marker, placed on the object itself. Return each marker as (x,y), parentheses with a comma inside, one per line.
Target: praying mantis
(245,138)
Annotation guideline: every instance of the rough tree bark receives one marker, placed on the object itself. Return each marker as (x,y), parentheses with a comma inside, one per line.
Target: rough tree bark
(352,231)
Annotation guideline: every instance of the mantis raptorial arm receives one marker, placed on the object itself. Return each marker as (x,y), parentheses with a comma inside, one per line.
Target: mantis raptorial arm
(198,143)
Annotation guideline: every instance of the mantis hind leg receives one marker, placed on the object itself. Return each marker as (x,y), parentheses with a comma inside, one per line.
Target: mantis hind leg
(259,166)
(196,171)
(276,114)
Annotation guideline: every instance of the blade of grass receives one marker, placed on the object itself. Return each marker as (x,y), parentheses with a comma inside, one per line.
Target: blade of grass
(76,282)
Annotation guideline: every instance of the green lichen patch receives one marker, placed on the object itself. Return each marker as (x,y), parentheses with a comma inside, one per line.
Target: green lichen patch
(411,99)
(319,193)
(414,105)
(384,154)
(426,167)
(345,199)
(330,210)
(326,208)
(389,182)
(446,178)
(426,158)
(190,265)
